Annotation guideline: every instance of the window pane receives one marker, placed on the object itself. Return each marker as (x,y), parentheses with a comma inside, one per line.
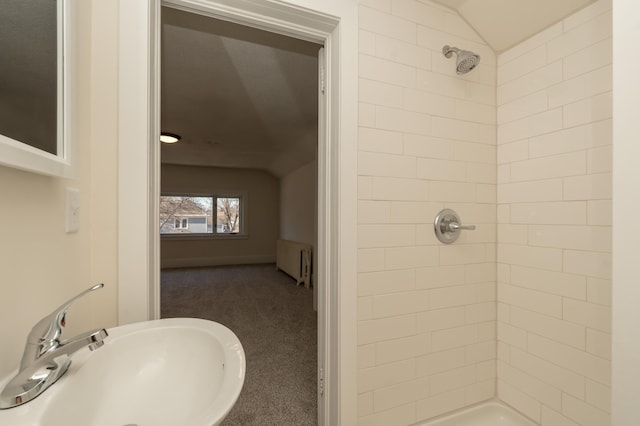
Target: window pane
(186,215)
(228,215)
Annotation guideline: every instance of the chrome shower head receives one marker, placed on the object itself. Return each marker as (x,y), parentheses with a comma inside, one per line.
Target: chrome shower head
(466,60)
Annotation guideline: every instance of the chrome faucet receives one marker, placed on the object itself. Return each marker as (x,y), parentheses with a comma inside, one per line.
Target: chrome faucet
(46,358)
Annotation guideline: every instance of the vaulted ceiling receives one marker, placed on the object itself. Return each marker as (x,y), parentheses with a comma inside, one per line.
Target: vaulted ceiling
(505,23)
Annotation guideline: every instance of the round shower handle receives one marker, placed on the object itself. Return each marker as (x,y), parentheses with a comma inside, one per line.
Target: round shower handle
(447,226)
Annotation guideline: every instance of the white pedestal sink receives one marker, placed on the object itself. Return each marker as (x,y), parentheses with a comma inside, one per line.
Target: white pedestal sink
(181,371)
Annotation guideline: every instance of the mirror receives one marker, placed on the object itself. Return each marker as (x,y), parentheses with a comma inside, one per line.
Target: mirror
(36,86)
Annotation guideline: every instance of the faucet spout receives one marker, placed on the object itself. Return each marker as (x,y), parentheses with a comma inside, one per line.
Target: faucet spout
(46,358)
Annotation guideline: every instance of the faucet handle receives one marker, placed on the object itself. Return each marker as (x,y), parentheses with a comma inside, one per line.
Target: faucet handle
(49,328)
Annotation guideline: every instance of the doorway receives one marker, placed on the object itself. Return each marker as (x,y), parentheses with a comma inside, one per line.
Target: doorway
(333,23)
(240,181)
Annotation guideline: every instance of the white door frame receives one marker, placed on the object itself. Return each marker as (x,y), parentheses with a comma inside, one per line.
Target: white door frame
(330,22)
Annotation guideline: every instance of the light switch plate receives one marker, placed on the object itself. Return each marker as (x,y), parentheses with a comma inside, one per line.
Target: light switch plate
(73,210)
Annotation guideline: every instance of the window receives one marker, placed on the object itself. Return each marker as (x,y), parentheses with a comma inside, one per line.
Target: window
(190,214)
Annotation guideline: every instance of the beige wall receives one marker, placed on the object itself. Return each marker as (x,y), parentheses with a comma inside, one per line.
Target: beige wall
(41,265)
(298,204)
(426,332)
(261,216)
(554,215)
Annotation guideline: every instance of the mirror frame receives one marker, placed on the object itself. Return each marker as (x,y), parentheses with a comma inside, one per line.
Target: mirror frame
(20,155)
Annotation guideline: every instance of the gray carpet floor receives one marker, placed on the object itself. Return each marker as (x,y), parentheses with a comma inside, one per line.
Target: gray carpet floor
(275,321)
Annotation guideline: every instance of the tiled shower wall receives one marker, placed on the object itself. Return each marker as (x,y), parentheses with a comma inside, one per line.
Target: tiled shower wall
(427,140)
(554,222)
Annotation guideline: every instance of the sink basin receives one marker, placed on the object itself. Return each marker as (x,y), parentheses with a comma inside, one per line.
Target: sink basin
(181,371)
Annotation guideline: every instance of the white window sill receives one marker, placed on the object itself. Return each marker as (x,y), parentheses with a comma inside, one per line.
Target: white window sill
(187,237)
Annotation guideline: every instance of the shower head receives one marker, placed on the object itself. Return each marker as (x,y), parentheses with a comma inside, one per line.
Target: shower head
(466,60)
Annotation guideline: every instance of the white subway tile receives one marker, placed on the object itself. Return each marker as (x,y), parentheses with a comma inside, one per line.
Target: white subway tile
(519,400)
(591,238)
(480,272)
(366,356)
(592,264)
(405,348)
(535,257)
(558,213)
(523,192)
(534,125)
(599,343)
(481,173)
(553,418)
(423,14)
(512,234)
(471,151)
(373,211)
(440,276)
(375,92)
(370,260)
(454,337)
(463,254)
(366,115)
(413,212)
(440,319)
(385,235)
(385,71)
(403,121)
(365,188)
(519,108)
(396,189)
(589,187)
(405,414)
(387,305)
(374,140)
(472,111)
(587,314)
(379,330)
(438,362)
(481,312)
(595,108)
(401,394)
(436,39)
(583,413)
(385,24)
(480,391)
(599,291)
(453,191)
(581,87)
(463,130)
(366,42)
(599,212)
(544,303)
(381,5)
(453,379)
(447,297)
(365,308)
(365,404)
(515,337)
(441,84)
(558,283)
(570,358)
(486,193)
(385,375)
(600,160)
(530,83)
(599,396)
(428,147)
(559,377)
(440,404)
(484,93)
(580,37)
(403,52)
(385,282)
(531,385)
(380,164)
(446,170)
(569,164)
(428,103)
(588,59)
(523,64)
(513,151)
(411,257)
(551,328)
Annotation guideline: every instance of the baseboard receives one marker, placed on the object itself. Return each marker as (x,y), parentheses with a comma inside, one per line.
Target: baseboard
(195,262)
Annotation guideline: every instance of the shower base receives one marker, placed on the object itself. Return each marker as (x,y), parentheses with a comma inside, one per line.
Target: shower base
(491,413)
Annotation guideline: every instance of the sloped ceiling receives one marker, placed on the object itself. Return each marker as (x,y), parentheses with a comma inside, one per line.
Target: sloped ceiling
(238,96)
(505,23)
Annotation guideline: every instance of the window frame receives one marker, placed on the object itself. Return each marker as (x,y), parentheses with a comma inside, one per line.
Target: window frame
(214,195)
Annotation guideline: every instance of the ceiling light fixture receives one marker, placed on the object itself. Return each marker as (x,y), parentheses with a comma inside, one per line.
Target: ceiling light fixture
(169,137)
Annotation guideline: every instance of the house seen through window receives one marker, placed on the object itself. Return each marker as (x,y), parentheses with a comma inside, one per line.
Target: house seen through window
(186,214)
